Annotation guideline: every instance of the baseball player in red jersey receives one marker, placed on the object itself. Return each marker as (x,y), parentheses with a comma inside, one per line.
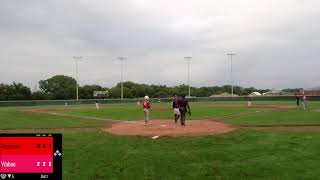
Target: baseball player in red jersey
(146,106)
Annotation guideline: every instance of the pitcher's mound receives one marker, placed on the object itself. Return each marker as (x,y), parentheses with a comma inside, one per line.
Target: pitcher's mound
(168,128)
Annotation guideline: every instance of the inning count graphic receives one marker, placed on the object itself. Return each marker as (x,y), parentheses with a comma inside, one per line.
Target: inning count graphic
(31,156)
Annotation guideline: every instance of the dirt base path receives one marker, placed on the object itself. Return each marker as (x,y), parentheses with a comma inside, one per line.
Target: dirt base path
(56,112)
(36,130)
(310,127)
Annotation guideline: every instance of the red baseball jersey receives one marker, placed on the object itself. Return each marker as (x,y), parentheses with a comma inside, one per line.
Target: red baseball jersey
(146,105)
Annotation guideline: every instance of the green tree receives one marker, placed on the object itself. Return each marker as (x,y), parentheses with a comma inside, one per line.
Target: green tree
(202,92)
(40,95)
(115,92)
(59,87)
(161,94)
(139,91)
(3,92)
(238,90)
(150,91)
(15,91)
(127,92)
(86,92)
(247,91)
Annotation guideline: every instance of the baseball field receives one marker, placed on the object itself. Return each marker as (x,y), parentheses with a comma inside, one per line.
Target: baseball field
(270,140)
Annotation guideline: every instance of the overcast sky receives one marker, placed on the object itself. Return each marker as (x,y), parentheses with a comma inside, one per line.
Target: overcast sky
(277,42)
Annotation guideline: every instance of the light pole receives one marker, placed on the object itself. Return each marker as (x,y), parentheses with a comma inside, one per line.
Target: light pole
(77,58)
(122,60)
(188,58)
(231,54)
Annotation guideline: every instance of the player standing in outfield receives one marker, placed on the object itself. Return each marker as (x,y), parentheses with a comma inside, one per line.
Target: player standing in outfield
(183,108)
(249,101)
(298,100)
(175,108)
(146,106)
(97,105)
(304,102)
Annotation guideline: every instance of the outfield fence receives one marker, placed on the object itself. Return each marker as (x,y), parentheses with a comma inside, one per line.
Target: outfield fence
(114,101)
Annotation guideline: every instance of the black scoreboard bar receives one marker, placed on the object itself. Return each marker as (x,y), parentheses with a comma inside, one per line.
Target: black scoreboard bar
(31,156)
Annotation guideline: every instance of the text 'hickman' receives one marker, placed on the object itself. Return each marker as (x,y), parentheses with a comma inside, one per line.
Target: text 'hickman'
(10,146)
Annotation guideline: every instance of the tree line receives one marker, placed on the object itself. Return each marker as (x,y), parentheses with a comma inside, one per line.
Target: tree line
(64,87)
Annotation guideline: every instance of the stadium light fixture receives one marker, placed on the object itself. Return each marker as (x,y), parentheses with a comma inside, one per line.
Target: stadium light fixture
(77,58)
(122,60)
(188,58)
(231,71)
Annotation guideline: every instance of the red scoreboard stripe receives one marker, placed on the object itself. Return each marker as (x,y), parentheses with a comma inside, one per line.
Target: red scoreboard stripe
(26,164)
(26,145)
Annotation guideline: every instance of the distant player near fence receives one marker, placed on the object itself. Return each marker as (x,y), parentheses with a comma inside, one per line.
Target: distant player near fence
(298,100)
(304,102)
(97,105)
(249,101)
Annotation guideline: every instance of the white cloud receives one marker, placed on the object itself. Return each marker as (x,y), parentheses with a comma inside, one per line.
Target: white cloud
(276,41)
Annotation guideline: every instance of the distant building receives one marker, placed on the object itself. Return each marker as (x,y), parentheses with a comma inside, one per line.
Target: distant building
(273,93)
(101,94)
(255,94)
(225,94)
(308,92)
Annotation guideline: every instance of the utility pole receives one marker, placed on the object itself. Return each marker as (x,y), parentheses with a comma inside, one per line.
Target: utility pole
(122,60)
(231,54)
(77,58)
(188,58)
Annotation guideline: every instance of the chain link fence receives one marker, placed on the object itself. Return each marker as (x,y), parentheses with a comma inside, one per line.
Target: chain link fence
(154,100)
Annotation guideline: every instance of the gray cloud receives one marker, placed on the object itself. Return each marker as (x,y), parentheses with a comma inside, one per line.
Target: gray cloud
(276,42)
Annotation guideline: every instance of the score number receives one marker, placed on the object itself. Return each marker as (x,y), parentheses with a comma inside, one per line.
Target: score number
(44,164)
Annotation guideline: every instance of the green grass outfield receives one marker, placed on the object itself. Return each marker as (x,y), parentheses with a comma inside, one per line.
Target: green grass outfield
(159,111)
(13,118)
(294,116)
(241,154)
(236,155)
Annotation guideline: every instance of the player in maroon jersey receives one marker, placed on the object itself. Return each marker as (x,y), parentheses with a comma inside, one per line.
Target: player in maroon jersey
(183,108)
(146,106)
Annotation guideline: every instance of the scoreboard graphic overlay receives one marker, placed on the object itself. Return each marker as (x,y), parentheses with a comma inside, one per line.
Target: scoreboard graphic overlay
(31,156)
